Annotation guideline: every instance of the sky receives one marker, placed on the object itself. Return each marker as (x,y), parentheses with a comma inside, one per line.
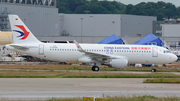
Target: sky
(134,2)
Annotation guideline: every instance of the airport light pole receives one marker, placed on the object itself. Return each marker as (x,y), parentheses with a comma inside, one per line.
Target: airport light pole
(81,28)
(121,19)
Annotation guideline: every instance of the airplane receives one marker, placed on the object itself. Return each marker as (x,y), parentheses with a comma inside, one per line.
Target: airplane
(115,56)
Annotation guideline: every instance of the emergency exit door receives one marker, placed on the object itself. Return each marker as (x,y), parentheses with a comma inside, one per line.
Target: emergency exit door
(41,49)
(154,52)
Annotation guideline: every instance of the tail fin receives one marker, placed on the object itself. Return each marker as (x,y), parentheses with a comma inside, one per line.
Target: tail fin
(20,32)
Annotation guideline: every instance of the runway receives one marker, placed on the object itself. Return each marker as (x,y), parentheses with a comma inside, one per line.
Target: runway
(35,88)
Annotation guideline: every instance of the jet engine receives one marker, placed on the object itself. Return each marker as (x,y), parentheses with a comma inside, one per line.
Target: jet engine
(117,63)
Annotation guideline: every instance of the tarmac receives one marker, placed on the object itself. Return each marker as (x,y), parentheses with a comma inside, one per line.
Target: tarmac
(44,88)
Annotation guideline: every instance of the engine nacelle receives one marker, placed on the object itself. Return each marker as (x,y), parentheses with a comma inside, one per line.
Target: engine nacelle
(118,63)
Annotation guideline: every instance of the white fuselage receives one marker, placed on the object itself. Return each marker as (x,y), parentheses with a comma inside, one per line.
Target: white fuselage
(145,54)
(115,56)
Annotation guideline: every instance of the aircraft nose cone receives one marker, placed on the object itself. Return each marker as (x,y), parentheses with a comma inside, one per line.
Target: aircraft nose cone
(174,58)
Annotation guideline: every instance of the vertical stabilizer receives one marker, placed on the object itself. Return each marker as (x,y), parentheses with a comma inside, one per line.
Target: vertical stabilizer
(20,32)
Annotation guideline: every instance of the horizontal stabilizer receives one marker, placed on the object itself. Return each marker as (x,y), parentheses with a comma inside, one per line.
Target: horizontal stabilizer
(19,46)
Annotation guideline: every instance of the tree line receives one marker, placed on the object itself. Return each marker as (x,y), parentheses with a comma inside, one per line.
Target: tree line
(160,9)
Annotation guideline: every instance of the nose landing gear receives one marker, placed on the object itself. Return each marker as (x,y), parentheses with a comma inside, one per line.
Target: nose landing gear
(95,68)
(153,68)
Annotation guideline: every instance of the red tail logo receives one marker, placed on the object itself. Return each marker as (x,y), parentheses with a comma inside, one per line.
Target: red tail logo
(24,34)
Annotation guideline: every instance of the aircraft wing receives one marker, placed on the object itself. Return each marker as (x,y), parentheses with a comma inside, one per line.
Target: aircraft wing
(97,55)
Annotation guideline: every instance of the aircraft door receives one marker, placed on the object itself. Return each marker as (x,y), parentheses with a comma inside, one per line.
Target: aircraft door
(41,49)
(154,52)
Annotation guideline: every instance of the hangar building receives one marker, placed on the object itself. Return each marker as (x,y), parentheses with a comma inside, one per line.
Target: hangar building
(168,30)
(105,25)
(91,28)
(43,20)
(47,25)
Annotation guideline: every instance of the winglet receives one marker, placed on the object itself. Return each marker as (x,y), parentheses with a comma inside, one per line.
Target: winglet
(78,46)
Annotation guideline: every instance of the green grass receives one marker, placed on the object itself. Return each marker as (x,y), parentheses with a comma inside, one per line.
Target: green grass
(123,98)
(65,99)
(82,67)
(124,75)
(79,74)
(163,80)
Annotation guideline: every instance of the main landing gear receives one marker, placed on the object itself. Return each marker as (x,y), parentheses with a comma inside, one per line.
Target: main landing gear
(153,68)
(95,68)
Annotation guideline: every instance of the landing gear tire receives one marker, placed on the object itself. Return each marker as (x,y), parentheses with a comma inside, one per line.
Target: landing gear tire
(153,70)
(95,68)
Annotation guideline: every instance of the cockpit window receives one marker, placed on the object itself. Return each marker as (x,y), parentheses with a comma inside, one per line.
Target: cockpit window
(167,51)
